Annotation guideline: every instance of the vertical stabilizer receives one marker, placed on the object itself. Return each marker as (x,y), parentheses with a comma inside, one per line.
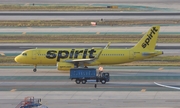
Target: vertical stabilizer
(148,41)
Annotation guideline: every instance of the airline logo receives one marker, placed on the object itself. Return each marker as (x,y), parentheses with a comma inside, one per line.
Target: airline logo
(62,54)
(149,37)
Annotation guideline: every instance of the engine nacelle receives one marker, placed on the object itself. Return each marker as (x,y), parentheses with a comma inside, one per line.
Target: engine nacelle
(64,66)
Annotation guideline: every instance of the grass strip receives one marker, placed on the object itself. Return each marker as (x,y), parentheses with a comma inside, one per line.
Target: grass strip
(57,23)
(26,38)
(31,7)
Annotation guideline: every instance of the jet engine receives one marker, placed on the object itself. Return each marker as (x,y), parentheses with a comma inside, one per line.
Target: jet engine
(64,66)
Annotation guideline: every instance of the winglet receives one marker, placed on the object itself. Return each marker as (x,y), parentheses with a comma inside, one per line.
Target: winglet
(107,46)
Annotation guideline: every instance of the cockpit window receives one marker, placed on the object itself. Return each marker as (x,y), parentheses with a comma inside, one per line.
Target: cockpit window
(24,54)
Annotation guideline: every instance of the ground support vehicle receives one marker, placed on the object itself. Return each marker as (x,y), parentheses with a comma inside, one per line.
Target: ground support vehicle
(84,74)
(30,102)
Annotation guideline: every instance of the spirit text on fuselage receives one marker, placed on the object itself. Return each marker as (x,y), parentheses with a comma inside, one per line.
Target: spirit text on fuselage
(72,54)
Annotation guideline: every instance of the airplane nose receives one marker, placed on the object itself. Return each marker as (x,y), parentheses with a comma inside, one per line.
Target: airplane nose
(16,59)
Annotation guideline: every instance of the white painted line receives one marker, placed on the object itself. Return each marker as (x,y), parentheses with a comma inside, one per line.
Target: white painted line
(177,88)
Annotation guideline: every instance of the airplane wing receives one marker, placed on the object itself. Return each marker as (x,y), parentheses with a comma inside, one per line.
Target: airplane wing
(177,88)
(89,59)
(107,46)
(79,60)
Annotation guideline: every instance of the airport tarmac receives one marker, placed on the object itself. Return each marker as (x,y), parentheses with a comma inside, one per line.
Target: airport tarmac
(170,29)
(129,86)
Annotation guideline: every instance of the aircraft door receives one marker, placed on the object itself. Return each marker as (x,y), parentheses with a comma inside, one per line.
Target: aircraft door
(34,54)
(131,54)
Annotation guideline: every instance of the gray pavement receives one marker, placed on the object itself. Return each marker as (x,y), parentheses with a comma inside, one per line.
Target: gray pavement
(90,15)
(13,49)
(100,99)
(165,17)
(96,30)
(130,86)
(85,1)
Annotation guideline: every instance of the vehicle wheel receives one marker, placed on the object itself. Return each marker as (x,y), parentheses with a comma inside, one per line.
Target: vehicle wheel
(84,81)
(95,85)
(103,81)
(78,81)
(34,70)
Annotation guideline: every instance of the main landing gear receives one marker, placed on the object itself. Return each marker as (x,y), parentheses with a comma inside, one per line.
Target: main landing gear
(35,68)
(81,65)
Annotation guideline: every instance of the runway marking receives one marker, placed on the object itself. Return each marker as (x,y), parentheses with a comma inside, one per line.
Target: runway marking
(143,90)
(97,32)
(27,4)
(160,68)
(177,88)
(13,90)
(2,54)
(143,32)
(24,33)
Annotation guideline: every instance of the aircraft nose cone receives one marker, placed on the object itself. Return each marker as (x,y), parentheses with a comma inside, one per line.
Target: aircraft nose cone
(16,59)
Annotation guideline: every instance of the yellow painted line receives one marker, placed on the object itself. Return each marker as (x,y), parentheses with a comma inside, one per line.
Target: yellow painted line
(13,90)
(143,32)
(97,32)
(2,54)
(143,90)
(27,4)
(24,33)
(160,69)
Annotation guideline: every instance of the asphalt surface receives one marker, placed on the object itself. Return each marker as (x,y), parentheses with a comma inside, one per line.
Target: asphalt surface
(129,86)
(10,49)
(103,30)
(125,78)
(86,1)
(22,46)
(86,16)
(89,14)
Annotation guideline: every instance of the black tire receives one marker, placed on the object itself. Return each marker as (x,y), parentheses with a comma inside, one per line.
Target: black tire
(34,70)
(103,81)
(78,81)
(95,85)
(84,81)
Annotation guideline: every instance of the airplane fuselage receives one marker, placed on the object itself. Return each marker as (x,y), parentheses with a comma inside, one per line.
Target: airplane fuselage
(108,56)
(67,58)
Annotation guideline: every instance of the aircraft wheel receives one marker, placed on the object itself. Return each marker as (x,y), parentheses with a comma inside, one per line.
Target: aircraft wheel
(78,81)
(84,81)
(85,67)
(34,70)
(103,81)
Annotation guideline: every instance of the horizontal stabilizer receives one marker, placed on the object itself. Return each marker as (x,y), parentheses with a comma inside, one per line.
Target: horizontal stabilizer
(148,53)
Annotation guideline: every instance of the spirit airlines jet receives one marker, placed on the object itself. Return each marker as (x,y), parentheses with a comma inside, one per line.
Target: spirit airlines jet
(67,58)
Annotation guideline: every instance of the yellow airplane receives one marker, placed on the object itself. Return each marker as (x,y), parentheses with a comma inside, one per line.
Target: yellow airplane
(67,58)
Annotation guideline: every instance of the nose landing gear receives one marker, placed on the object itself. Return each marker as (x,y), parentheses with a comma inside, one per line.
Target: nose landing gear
(35,68)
